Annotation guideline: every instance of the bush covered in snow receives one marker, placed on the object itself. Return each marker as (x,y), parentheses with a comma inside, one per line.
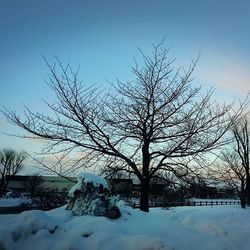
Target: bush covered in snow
(91,196)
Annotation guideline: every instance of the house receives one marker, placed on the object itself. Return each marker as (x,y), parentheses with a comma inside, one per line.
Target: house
(121,186)
(17,183)
(20,183)
(203,191)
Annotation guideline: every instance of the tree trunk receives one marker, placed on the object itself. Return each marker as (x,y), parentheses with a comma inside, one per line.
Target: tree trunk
(243,202)
(243,195)
(2,185)
(144,195)
(248,190)
(145,173)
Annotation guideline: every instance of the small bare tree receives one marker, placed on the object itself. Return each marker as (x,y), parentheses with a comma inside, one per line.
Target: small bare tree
(241,133)
(232,174)
(233,169)
(159,121)
(11,163)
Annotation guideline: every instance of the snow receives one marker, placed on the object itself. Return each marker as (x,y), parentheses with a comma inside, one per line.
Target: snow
(90,196)
(13,202)
(183,228)
(88,178)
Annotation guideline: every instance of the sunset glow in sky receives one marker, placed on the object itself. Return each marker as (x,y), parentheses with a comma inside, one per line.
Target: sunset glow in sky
(104,36)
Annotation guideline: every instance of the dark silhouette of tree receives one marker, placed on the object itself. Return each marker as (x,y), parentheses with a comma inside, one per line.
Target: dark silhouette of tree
(158,121)
(241,133)
(233,170)
(34,184)
(11,163)
(233,174)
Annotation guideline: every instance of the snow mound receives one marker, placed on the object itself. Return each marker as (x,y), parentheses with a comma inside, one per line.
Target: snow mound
(27,224)
(97,182)
(91,196)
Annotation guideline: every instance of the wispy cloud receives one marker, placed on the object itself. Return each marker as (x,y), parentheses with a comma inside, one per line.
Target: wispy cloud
(232,77)
(2,122)
(226,74)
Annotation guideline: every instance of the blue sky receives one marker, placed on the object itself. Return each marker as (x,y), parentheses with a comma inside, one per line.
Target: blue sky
(102,37)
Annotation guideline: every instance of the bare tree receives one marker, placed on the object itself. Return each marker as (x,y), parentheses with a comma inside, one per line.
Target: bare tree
(233,166)
(233,174)
(241,133)
(158,121)
(11,163)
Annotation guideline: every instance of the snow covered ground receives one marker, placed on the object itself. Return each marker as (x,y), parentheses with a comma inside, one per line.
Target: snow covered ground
(13,202)
(190,228)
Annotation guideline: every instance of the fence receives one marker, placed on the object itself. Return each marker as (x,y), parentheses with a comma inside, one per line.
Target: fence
(16,210)
(190,203)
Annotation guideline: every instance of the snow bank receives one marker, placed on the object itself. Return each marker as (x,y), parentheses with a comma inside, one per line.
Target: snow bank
(26,225)
(181,228)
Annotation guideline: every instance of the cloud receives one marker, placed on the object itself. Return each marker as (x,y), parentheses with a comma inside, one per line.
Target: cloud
(226,74)
(2,122)
(36,140)
(234,78)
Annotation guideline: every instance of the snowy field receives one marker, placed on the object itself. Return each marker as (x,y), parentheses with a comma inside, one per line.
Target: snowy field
(218,227)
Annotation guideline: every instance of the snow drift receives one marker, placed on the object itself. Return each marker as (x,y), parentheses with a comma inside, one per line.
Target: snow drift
(183,228)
